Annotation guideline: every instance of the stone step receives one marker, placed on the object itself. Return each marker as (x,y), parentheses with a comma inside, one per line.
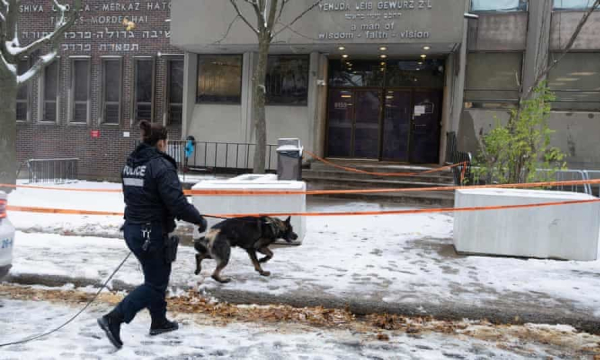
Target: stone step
(420,198)
(308,175)
(357,183)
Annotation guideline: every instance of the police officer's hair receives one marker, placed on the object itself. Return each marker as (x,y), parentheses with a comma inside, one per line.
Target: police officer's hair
(152,133)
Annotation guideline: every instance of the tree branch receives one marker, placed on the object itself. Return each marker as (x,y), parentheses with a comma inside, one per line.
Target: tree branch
(40,64)
(61,27)
(317,2)
(239,13)
(568,48)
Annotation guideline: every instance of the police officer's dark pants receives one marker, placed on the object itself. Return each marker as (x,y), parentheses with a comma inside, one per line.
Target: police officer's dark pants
(151,294)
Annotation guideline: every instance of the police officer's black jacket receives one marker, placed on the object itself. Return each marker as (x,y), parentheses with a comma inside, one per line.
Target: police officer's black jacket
(153,191)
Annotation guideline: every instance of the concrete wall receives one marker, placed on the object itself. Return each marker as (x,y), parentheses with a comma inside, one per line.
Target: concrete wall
(576,134)
(198,25)
(492,32)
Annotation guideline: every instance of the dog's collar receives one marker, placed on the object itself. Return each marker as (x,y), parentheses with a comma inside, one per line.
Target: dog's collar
(272,224)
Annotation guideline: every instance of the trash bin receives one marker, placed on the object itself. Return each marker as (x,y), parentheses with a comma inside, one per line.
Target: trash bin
(289,159)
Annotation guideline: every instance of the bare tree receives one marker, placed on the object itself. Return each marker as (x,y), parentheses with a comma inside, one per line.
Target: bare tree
(11,52)
(268,17)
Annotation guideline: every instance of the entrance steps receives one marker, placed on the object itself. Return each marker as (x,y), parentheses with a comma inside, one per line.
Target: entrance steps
(325,177)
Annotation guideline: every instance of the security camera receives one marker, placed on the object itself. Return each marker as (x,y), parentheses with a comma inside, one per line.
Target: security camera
(471,16)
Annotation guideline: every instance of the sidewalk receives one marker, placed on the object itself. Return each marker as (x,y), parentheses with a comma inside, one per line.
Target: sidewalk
(399,264)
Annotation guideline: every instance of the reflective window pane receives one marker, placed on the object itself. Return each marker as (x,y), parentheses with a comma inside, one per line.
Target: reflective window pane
(498,5)
(112,91)
(493,78)
(416,73)
(175,95)
(575,80)
(22,93)
(50,92)
(219,79)
(287,80)
(81,89)
(144,73)
(572,4)
(356,73)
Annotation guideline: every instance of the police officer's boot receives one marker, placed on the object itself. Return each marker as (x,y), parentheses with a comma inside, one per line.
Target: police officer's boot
(111,324)
(161,326)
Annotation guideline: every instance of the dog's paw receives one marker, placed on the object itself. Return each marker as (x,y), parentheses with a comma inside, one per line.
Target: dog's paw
(221,280)
(265,273)
(197,272)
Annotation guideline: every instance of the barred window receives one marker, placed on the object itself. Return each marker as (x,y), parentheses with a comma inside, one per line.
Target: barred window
(575,80)
(219,79)
(50,92)
(23,93)
(498,5)
(287,80)
(111,80)
(80,86)
(493,80)
(144,89)
(175,91)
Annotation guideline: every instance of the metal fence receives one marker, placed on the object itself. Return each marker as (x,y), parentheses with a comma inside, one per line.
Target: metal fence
(564,175)
(217,157)
(593,189)
(58,171)
(453,156)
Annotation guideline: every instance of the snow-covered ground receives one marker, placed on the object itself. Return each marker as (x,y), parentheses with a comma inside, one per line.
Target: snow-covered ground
(395,259)
(200,338)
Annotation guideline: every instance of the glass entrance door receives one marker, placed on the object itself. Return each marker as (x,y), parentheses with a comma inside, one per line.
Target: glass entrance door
(367,124)
(396,125)
(425,135)
(354,123)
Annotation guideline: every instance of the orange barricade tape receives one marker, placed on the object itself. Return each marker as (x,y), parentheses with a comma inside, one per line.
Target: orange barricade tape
(407,174)
(314,214)
(341,192)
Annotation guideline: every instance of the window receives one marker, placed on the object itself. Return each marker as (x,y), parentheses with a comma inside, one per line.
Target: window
(111,93)
(219,79)
(493,79)
(23,93)
(50,92)
(356,73)
(498,5)
(416,73)
(572,4)
(80,87)
(175,91)
(144,89)
(575,80)
(287,80)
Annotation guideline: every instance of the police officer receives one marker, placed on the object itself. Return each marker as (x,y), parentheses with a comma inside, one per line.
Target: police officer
(153,199)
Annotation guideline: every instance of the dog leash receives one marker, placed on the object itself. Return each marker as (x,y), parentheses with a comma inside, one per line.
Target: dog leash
(37,337)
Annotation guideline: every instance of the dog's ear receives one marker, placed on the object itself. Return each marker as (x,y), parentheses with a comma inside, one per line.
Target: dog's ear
(287,221)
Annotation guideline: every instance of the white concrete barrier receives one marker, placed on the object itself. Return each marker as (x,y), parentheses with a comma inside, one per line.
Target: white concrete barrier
(253,203)
(567,232)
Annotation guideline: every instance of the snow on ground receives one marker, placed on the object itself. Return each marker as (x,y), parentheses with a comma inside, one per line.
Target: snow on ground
(394,259)
(199,338)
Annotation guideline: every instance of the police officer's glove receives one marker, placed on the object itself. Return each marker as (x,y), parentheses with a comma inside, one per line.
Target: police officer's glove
(202,226)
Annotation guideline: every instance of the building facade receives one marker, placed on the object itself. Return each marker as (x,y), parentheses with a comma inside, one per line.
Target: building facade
(387,80)
(106,78)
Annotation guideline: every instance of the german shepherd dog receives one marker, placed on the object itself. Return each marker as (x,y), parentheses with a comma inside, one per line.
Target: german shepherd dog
(250,233)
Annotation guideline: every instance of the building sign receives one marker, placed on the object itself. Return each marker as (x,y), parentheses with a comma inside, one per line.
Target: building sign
(376,20)
(95,134)
(101,27)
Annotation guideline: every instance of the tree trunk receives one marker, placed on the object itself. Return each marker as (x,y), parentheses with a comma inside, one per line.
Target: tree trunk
(258,104)
(8,128)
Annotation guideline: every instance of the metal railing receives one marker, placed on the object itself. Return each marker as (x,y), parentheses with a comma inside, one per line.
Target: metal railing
(58,171)
(217,157)
(593,189)
(564,175)
(453,156)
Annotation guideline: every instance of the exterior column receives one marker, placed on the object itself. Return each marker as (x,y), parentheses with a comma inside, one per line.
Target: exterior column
(538,40)
(190,69)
